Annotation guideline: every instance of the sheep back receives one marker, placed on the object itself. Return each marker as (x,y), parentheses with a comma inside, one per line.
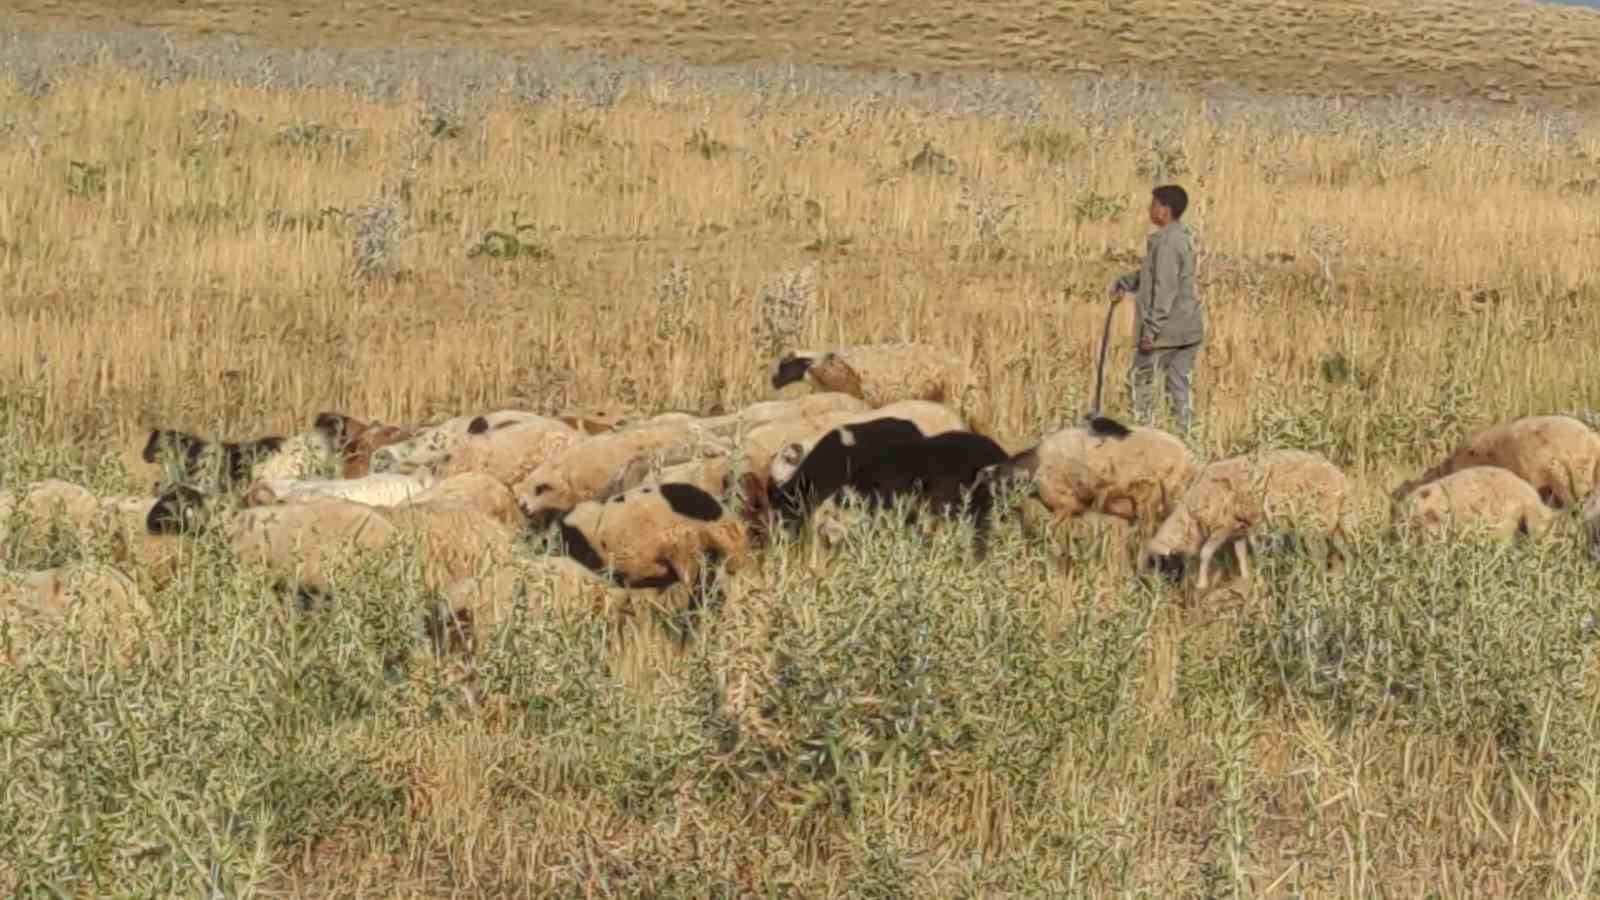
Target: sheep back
(1487,497)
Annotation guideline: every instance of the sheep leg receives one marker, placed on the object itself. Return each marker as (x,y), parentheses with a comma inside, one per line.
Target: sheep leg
(1207,551)
(1241,549)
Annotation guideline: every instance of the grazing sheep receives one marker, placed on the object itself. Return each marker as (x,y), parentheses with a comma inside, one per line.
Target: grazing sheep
(297,543)
(430,444)
(1135,474)
(1482,497)
(882,374)
(229,464)
(927,417)
(655,535)
(751,460)
(306,455)
(98,598)
(375,489)
(473,491)
(803,477)
(472,607)
(884,459)
(511,453)
(41,502)
(583,470)
(1558,455)
(1231,496)
(147,535)
(217,463)
(354,441)
(810,406)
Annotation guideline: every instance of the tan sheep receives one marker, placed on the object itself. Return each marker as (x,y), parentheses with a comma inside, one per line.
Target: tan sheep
(298,543)
(476,491)
(583,470)
(101,600)
(1487,498)
(1558,455)
(510,454)
(474,606)
(886,373)
(655,535)
(1230,497)
(1135,474)
(809,406)
(43,502)
(156,553)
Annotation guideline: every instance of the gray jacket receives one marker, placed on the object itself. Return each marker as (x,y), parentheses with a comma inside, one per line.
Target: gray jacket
(1165,306)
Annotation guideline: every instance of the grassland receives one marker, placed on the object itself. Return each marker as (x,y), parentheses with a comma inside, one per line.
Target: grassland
(226,239)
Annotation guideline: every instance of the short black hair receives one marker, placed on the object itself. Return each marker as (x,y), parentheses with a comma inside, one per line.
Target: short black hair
(1172,197)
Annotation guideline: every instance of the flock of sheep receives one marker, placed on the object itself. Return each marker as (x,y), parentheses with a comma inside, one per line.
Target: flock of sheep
(650,506)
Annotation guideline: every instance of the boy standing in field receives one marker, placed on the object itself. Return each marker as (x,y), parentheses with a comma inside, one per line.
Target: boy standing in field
(1168,324)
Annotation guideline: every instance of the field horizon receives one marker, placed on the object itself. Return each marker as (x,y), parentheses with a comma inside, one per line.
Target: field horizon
(229,236)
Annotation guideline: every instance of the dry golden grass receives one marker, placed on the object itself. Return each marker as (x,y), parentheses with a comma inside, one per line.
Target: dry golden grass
(1491,49)
(1378,279)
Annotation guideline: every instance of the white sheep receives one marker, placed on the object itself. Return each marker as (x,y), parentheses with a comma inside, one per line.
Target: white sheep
(887,373)
(430,444)
(1487,498)
(1558,455)
(373,489)
(1230,497)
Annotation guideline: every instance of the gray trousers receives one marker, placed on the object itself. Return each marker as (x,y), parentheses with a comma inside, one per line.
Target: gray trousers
(1178,362)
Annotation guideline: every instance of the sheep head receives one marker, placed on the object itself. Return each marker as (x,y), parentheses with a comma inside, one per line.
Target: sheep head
(792,368)
(1178,537)
(545,496)
(181,510)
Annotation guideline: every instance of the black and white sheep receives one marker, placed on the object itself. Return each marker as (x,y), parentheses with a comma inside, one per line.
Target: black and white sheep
(655,535)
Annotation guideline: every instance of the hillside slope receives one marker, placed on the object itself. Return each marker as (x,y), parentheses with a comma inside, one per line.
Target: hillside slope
(1522,52)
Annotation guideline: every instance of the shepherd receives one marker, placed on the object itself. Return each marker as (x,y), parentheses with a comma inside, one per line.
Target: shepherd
(1169,323)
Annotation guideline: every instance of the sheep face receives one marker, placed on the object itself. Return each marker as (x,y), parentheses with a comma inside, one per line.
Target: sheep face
(185,446)
(791,368)
(1177,538)
(180,510)
(338,429)
(786,462)
(544,497)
